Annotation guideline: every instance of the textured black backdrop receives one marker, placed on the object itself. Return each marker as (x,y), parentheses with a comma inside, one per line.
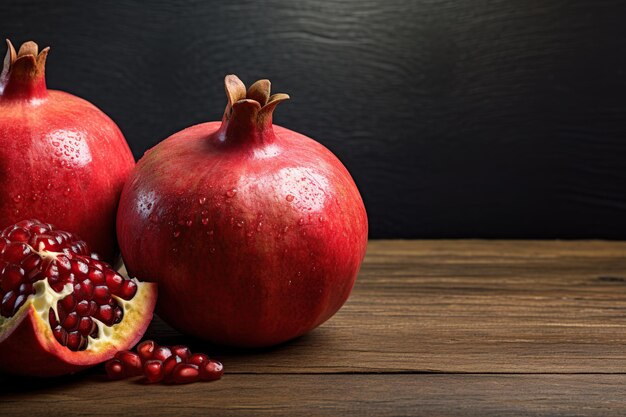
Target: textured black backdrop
(501,118)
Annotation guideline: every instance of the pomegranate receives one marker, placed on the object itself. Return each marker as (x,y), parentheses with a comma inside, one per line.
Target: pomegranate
(62,309)
(254,233)
(172,365)
(61,159)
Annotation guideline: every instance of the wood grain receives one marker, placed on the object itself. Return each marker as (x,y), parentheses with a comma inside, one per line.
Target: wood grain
(333,395)
(473,327)
(484,118)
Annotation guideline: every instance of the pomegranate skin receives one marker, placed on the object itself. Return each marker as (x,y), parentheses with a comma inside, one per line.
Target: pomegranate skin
(62,160)
(254,233)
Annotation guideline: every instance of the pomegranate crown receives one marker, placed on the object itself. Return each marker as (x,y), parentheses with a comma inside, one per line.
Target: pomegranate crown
(249,111)
(23,73)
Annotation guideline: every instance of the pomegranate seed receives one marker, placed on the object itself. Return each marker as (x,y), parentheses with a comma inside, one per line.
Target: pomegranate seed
(97,277)
(47,242)
(132,362)
(82,308)
(60,335)
(11,277)
(52,318)
(63,263)
(105,314)
(71,322)
(161,353)
(80,267)
(27,223)
(15,252)
(26,288)
(115,369)
(86,326)
(84,289)
(118,315)
(182,351)
(114,281)
(39,229)
(3,244)
(101,294)
(127,290)
(146,349)
(31,262)
(185,373)
(68,302)
(74,340)
(8,302)
(19,302)
(19,234)
(211,370)
(153,370)
(61,312)
(198,359)
(169,364)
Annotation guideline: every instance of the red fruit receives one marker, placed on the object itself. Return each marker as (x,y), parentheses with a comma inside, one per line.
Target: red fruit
(153,370)
(115,369)
(51,324)
(161,353)
(211,370)
(198,359)
(169,364)
(132,362)
(182,351)
(63,160)
(254,233)
(185,373)
(146,349)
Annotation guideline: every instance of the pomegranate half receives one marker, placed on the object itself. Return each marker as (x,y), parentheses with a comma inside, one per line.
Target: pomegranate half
(62,309)
(61,159)
(254,233)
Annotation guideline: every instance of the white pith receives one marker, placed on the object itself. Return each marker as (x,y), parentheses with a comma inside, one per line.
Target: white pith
(46,298)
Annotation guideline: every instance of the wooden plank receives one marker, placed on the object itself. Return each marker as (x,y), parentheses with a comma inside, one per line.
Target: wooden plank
(465,306)
(332,395)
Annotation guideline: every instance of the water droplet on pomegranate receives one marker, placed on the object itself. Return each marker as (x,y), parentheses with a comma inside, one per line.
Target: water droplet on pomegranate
(17,198)
(320,218)
(188,223)
(67,191)
(202,200)
(299,273)
(176,233)
(231,193)
(258,227)
(301,222)
(212,250)
(174,250)
(210,233)
(35,197)
(16,212)
(49,186)
(249,234)
(240,223)
(153,218)
(289,198)
(205,221)
(285,229)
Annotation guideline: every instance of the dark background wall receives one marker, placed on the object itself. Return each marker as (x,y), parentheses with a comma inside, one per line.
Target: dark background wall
(457,118)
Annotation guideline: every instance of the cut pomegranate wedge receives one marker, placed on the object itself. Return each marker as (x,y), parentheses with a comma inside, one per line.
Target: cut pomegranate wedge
(62,308)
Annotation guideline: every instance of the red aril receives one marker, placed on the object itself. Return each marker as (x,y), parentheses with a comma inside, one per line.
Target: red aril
(211,370)
(63,160)
(57,314)
(163,363)
(254,233)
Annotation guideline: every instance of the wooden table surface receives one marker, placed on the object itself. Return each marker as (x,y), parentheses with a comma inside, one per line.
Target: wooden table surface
(439,327)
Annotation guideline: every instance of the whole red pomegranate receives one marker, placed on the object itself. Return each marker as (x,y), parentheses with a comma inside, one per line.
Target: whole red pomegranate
(254,233)
(61,308)
(61,159)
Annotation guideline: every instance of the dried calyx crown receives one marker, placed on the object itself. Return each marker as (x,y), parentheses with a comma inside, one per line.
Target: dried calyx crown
(23,73)
(248,114)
